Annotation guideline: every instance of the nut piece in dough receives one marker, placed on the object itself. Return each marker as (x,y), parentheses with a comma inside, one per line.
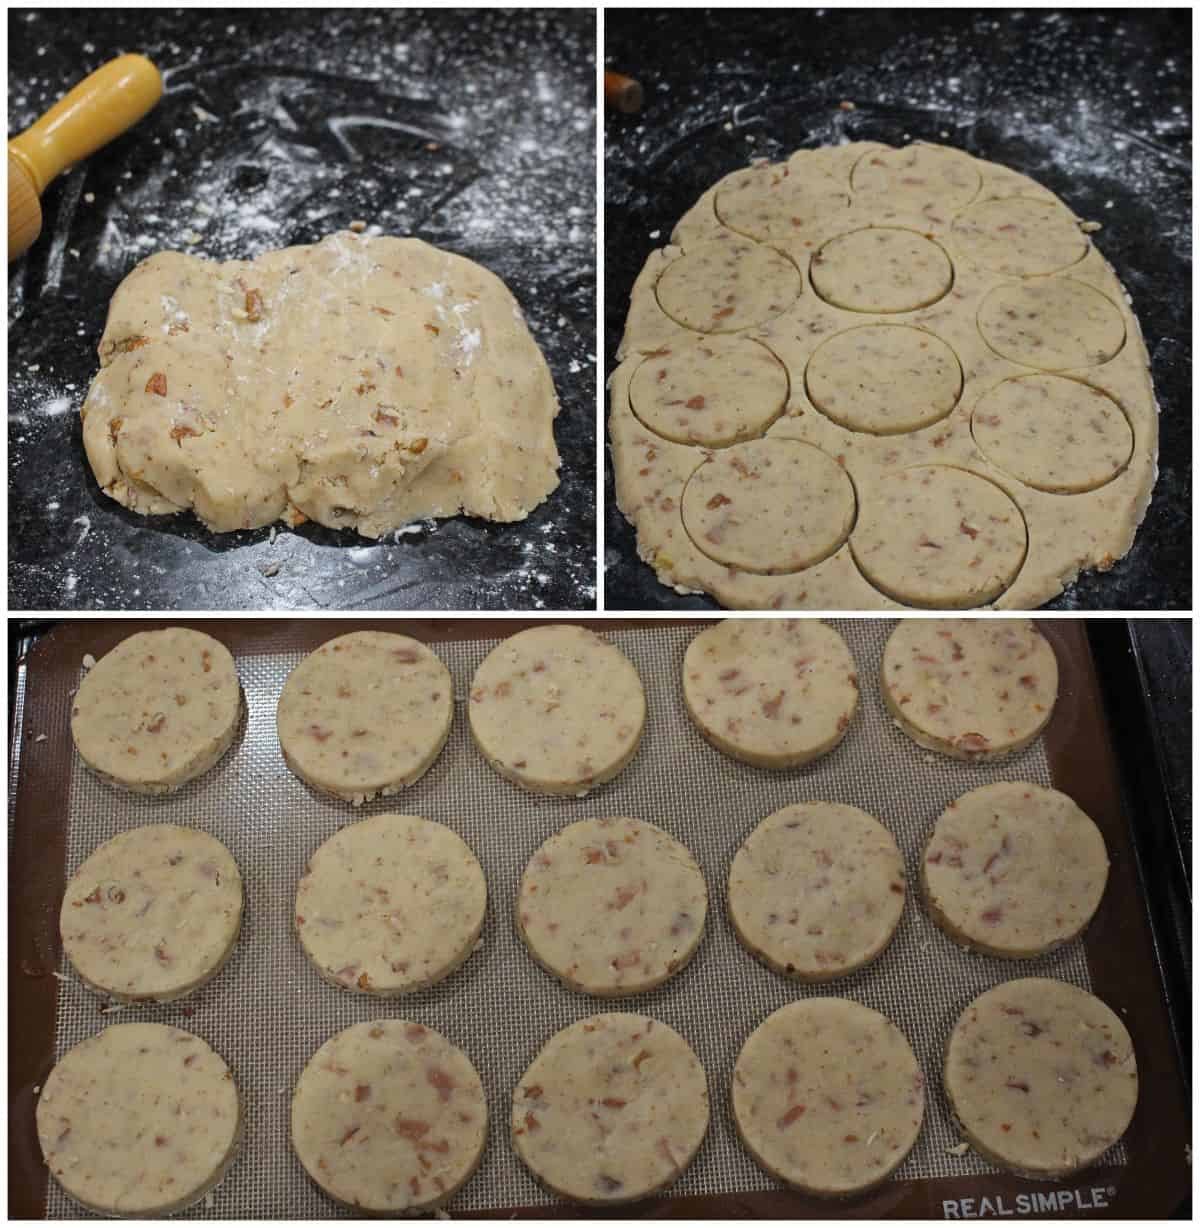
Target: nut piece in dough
(612,906)
(389,1118)
(152,914)
(1041,1076)
(158,710)
(365,715)
(557,709)
(613,1109)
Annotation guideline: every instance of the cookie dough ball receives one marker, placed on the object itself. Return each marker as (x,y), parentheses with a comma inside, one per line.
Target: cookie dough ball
(613,1109)
(612,906)
(557,709)
(152,914)
(389,1118)
(1041,1076)
(772,692)
(390,905)
(828,1096)
(139,1121)
(970,688)
(158,710)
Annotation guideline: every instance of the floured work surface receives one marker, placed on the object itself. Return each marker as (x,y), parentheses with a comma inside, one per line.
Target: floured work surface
(268,1010)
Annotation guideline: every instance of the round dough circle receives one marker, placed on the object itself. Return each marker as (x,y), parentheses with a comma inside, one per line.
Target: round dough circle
(389,1117)
(884,379)
(158,710)
(724,285)
(770,202)
(1018,237)
(828,1096)
(1053,325)
(938,537)
(111,1120)
(612,906)
(881,269)
(711,391)
(769,506)
(152,914)
(613,1109)
(970,688)
(365,715)
(917,176)
(1041,1076)
(557,709)
(1014,870)
(816,890)
(390,905)
(772,692)
(1055,434)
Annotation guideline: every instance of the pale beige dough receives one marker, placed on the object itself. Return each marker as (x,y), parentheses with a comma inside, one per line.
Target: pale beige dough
(139,1120)
(1041,1076)
(365,715)
(557,709)
(361,382)
(770,202)
(882,269)
(612,906)
(816,890)
(390,905)
(828,1096)
(613,1109)
(970,688)
(158,710)
(1053,325)
(1019,238)
(772,692)
(389,1118)
(918,176)
(1013,869)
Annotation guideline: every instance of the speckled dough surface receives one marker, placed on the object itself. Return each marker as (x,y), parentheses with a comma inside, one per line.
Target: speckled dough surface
(153,913)
(361,382)
(828,1096)
(365,714)
(557,709)
(1013,869)
(389,1117)
(612,906)
(1042,1076)
(970,688)
(390,905)
(139,1120)
(908,294)
(772,692)
(612,1109)
(158,710)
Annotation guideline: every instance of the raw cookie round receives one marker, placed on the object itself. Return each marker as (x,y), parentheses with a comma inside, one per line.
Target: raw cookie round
(1013,870)
(770,202)
(1019,238)
(816,890)
(613,1108)
(881,269)
(884,379)
(828,1097)
(970,688)
(139,1121)
(728,284)
(918,177)
(1053,433)
(152,914)
(710,390)
(612,906)
(1041,1076)
(772,692)
(389,1118)
(940,538)
(365,715)
(390,905)
(158,710)
(1053,324)
(557,709)
(769,506)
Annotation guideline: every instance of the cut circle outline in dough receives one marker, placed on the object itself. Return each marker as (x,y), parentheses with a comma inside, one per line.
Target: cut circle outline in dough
(942,154)
(938,283)
(975,239)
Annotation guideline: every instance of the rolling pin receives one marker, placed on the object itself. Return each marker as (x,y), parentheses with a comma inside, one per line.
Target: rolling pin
(95,112)
(622,93)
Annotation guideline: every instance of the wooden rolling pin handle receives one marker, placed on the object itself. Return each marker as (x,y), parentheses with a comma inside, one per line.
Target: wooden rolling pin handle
(622,93)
